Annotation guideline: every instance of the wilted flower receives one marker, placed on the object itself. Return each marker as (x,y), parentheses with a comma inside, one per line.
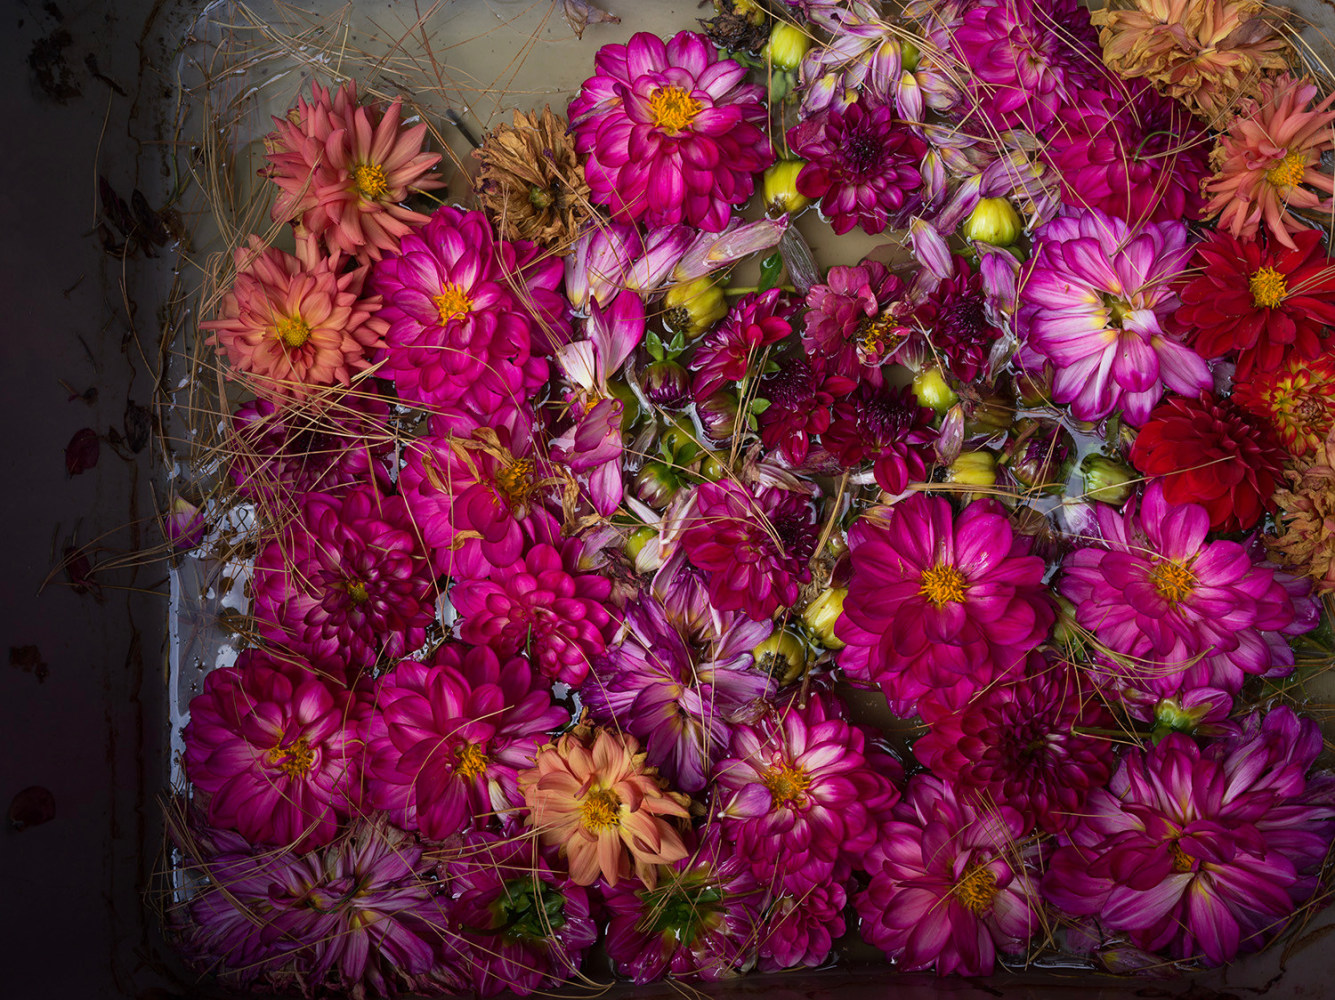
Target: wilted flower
(1306,539)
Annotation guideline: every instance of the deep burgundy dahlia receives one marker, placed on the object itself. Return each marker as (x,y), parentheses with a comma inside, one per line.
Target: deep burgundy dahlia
(670,133)
(852,327)
(728,353)
(538,607)
(886,427)
(953,320)
(862,164)
(755,547)
(1210,452)
(940,605)
(800,400)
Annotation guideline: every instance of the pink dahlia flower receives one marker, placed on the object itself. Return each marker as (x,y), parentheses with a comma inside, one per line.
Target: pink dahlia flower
(799,795)
(273,748)
(800,399)
(449,737)
(852,326)
(862,164)
(348,578)
(729,352)
(800,928)
(700,921)
(295,324)
(1093,301)
(954,322)
(1029,743)
(679,695)
(951,885)
(467,314)
(344,170)
(887,428)
(755,548)
(939,605)
(1178,611)
(1206,852)
(672,134)
(527,927)
(538,607)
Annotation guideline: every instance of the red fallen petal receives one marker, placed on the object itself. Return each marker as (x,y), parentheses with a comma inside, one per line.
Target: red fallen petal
(82,452)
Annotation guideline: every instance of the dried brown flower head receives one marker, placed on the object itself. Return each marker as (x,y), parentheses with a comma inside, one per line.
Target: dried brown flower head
(1306,543)
(740,26)
(531,181)
(1206,53)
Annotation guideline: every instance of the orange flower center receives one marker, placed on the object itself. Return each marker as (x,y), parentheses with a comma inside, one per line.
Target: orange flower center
(1288,171)
(1173,580)
(976,890)
(600,810)
(469,760)
(515,482)
(371,182)
(452,303)
(292,331)
(943,584)
(786,784)
(673,109)
(294,760)
(1181,859)
(1268,288)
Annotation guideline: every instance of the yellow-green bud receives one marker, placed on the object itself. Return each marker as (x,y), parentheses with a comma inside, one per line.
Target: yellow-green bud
(638,539)
(1106,480)
(973,468)
(933,390)
(994,221)
(909,55)
(821,614)
(780,187)
(787,45)
(694,306)
(783,656)
(711,468)
(1066,633)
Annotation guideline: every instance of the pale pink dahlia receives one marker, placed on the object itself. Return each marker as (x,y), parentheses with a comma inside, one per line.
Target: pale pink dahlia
(940,606)
(672,134)
(1205,852)
(1093,301)
(272,749)
(349,576)
(1177,610)
(951,885)
(538,607)
(449,737)
(296,324)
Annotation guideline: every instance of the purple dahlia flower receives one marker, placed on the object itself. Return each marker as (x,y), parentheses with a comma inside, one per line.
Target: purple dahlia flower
(1093,300)
(349,579)
(728,353)
(1178,611)
(1204,852)
(273,749)
(862,164)
(449,737)
(852,326)
(950,885)
(954,322)
(886,427)
(940,606)
(671,133)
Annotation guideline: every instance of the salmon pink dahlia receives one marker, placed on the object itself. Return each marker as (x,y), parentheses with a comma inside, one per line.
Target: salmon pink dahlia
(672,134)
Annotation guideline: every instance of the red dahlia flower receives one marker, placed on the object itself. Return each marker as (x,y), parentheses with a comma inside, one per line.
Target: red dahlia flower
(1297,400)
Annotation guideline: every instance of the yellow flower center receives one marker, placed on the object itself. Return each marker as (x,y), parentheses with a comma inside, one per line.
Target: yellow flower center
(357,591)
(1181,859)
(976,889)
(879,335)
(294,760)
(371,181)
(1288,171)
(452,303)
(1173,580)
(515,482)
(943,584)
(292,331)
(786,784)
(673,109)
(1117,309)
(600,810)
(1268,288)
(469,760)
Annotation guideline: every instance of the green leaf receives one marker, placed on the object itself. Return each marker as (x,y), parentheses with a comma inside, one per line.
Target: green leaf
(759,406)
(654,345)
(771,272)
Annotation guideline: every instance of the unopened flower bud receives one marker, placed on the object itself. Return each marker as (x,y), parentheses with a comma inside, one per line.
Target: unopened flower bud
(1106,479)
(909,55)
(973,468)
(1040,454)
(185,526)
(638,539)
(787,45)
(718,415)
(711,468)
(666,384)
(780,187)
(656,484)
(679,443)
(932,390)
(1035,387)
(782,656)
(991,414)
(692,307)
(1068,636)
(821,614)
(994,221)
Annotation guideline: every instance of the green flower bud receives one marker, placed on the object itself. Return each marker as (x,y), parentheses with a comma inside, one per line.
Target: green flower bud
(973,468)
(656,484)
(780,187)
(638,539)
(909,54)
(821,614)
(1106,480)
(932,389)
(787,45)
(783,656)
(694,306)
(993,221)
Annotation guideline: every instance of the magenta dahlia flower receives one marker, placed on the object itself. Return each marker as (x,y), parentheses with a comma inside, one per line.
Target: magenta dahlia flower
(538,607)
(1030,743)
(670,133)
(1178,611)
(348,578)
(273,749)
(800,399)
(1205,852)
(940,606)
(677,694)
(701,920)
(467,314)
(862,163)
(954,323)
(729,352)
(951,884)
(1094,301)
(886,427)
(449,737)
(800,928)
(755,547)
(527,927)
(852,325)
